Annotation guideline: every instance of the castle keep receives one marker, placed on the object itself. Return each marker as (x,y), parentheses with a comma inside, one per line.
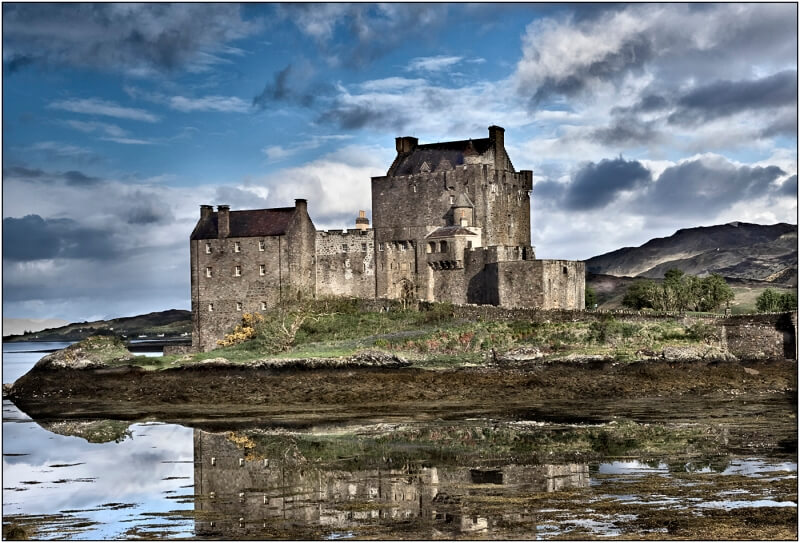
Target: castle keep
(451,223)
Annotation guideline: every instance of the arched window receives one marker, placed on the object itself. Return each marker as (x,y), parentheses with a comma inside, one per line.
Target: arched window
(443,246)
(431,247)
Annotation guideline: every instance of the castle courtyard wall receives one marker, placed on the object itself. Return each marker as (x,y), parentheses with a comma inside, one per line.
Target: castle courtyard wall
(345,263)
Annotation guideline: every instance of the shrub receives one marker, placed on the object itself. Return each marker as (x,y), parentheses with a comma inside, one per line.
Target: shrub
(243,331)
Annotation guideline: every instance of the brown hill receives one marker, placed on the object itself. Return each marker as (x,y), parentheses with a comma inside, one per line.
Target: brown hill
(737,250)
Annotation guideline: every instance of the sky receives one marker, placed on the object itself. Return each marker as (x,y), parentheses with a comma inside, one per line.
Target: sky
(120,120)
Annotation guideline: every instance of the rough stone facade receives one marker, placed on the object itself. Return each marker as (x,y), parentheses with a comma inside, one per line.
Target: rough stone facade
(451,223)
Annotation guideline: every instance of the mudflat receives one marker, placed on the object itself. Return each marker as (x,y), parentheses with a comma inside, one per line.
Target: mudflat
(327,395)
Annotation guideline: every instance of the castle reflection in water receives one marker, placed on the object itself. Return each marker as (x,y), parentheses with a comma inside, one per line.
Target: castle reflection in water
(241,496)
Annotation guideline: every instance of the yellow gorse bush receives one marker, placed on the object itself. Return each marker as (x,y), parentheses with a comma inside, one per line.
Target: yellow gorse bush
(243,331)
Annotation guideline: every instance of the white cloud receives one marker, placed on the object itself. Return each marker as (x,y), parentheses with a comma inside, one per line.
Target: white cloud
(97,106)
(226,104)
(432,64)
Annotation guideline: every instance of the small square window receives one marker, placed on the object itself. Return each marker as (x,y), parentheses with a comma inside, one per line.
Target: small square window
(363,246)
(210,307)
(262,245)
(238,306)
(208,248)
(344,247)
(402,245)
(263,306)
(262,269)
(208,272)
(237,271)
(380,246)
(452,199)
(237,247)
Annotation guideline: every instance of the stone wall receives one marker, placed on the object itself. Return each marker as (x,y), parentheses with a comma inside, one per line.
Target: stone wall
(771,335)
(345,263)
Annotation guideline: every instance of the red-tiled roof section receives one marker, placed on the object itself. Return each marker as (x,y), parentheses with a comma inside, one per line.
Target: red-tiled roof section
(248,223)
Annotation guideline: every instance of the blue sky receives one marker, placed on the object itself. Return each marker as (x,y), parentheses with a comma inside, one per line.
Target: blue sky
(119,120)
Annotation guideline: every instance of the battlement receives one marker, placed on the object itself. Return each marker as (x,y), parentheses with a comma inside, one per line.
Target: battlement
(345,232)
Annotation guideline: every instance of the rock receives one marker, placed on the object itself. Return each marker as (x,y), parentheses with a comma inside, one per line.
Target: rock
(751,371)
(682,353)
(91,353)
(520,354)
(7,389)
(378,358)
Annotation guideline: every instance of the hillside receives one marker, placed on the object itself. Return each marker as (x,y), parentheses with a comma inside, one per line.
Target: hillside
(736,250)
(171,323)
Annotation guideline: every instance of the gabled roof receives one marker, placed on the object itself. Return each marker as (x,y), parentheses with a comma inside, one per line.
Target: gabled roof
(247,223)
(451,231)
(434,153)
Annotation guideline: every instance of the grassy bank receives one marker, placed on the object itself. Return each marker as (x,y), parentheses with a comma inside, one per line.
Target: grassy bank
(434,338)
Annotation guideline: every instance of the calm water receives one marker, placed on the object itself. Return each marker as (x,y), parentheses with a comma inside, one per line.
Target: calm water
(110,480)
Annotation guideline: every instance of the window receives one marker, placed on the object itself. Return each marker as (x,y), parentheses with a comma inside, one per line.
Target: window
(237,247)
(262,269)
(464,221)
(469,244)
(443,246)
(380,246)
(344,247)
(431,246)
(363,246)
(402,245)
(262,245)
(238,306)
(208,248)
(565,270)
(452,199)
(237,271)
(210,307)
(263,306)
(208,272)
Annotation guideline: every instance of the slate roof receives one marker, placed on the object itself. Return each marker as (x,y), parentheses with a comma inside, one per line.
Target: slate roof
(450,231)
(462,200)
(433,153)
(248,223)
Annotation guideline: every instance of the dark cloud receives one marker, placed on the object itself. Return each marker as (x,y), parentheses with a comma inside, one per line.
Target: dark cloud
(789,187)
(283,89)
(137,38)
(724,98)
(627,131)
(630,57)
(785,125)
(77,178)
(595,185)
(706,186)
(72,177)
(17,62)
(353,117)
(34,238)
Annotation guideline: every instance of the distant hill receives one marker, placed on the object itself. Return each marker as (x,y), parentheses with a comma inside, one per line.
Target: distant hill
(736,250)
(19,326)
(171,323)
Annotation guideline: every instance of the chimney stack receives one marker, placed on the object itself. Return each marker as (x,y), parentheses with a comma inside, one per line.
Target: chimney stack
(406,144)
(497,137)
(301,205)
(223,221)
(362,222)
(205,212)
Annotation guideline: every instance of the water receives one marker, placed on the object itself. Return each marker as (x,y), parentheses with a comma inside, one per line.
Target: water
(477,478)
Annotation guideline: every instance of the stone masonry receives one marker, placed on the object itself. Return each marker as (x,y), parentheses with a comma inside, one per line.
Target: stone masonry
(451,223)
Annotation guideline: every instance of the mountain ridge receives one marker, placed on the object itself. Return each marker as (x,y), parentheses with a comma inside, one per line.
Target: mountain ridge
(737,250)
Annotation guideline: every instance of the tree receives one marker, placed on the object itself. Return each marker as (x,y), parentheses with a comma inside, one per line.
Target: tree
(768,301)
(771,301)
(590,297)
(788,301)
(640,294)
(713,292)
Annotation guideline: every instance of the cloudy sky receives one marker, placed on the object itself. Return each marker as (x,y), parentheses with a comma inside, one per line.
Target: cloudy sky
(119,120)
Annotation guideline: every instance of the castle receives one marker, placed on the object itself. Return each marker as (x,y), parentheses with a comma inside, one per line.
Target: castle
(451,223)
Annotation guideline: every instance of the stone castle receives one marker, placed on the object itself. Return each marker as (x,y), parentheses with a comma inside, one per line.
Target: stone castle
(451,223)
